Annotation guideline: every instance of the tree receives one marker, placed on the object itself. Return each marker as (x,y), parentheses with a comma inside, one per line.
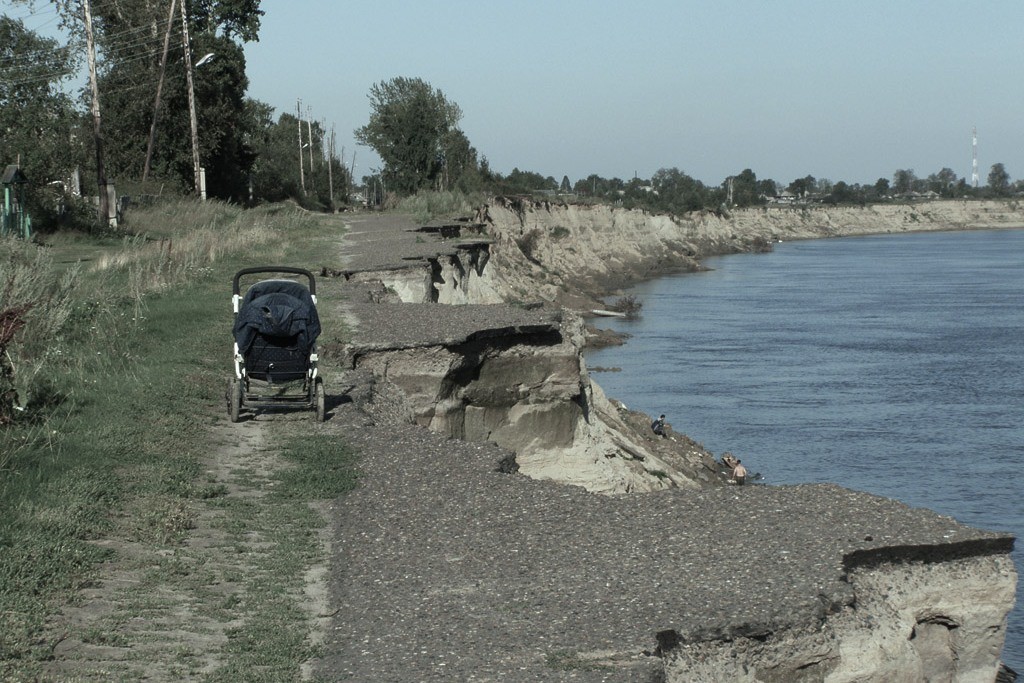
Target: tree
(460,166)
(275,174)
(38,121)
(844,193)
(942,183)
(946,180)
(676,192)
(903,181)
(410,124)
(882,188)
(745,189)
(524,182)
(566,186)
(998,180)
(767,188)
(129,39)
(801,187)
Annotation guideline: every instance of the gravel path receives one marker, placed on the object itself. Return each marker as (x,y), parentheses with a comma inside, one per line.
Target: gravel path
(448,570)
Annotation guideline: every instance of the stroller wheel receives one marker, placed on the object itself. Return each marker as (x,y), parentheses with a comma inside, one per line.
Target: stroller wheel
(321,400)
(234,399)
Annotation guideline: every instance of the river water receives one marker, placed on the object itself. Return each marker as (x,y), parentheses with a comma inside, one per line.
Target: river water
(890,364)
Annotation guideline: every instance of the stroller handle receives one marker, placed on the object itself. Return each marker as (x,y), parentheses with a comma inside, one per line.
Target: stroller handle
(273,269)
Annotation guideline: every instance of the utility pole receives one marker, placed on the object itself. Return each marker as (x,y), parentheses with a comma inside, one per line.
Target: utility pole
(352,173)
(302,172)
(159,89)
(330,167)
(97,130)
(200,185)
(309,129)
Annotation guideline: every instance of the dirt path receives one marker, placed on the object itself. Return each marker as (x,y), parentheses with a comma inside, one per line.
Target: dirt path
(164,613)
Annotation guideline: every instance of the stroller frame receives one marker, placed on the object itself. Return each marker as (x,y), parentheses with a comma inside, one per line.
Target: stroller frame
(273,371)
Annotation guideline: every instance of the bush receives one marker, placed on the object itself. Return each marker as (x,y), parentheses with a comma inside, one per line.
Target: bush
(628,305)
(528,244)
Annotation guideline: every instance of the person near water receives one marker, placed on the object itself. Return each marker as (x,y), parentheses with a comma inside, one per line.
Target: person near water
(739,473)
(658,426)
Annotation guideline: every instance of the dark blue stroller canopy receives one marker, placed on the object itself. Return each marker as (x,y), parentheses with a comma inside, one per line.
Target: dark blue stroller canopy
(279,309)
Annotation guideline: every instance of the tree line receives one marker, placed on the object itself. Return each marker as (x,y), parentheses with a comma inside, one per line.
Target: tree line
(249,156)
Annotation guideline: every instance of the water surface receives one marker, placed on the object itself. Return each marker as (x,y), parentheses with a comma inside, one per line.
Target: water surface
(890,364)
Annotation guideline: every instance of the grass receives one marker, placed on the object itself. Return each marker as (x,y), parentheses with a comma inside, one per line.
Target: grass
(426,206)
(112,464)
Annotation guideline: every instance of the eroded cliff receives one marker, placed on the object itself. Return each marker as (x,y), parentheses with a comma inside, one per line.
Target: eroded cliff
(907,595)
(556,251)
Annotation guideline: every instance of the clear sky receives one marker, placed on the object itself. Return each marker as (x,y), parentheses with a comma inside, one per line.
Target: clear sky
(840,90)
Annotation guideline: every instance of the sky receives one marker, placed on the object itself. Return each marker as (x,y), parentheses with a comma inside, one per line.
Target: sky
(846,91)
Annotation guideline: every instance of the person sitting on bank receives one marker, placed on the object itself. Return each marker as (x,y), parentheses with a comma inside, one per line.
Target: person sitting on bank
(739,473)
(658,426)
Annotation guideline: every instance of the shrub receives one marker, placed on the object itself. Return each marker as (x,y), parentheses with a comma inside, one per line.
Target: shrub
(559,232)
(628,305)
(528,244)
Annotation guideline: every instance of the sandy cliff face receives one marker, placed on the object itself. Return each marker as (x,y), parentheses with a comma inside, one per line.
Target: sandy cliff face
(908,622)
(550,250)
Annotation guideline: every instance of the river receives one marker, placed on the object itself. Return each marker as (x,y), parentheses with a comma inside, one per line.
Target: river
(891,364)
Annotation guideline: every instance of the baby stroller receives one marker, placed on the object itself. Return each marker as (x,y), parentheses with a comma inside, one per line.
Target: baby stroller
(275,330)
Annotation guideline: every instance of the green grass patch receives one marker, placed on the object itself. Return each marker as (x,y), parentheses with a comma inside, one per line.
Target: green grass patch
(322,468)
(120,392)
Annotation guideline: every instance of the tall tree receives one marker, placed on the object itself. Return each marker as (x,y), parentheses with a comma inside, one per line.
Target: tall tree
(676,192)
(745,189)
(998,180)
(903,181)
(801,187)
(130,36)
(410,124)
(942,183)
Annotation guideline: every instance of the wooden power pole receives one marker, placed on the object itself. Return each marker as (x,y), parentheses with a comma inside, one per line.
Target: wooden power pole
(302,172)
(97,129)
(330,167)
(200,190)
(309,137)
(159,89)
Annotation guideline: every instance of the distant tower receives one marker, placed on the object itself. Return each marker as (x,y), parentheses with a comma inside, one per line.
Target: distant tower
(974,163)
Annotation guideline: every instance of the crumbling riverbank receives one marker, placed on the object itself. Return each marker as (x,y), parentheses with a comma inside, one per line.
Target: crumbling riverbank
(457,566)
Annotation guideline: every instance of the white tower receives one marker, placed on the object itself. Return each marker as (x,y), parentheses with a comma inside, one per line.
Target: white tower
(974,164)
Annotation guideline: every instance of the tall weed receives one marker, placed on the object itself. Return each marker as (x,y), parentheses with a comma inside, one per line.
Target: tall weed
(426,206)
(179,241)
(35,307)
